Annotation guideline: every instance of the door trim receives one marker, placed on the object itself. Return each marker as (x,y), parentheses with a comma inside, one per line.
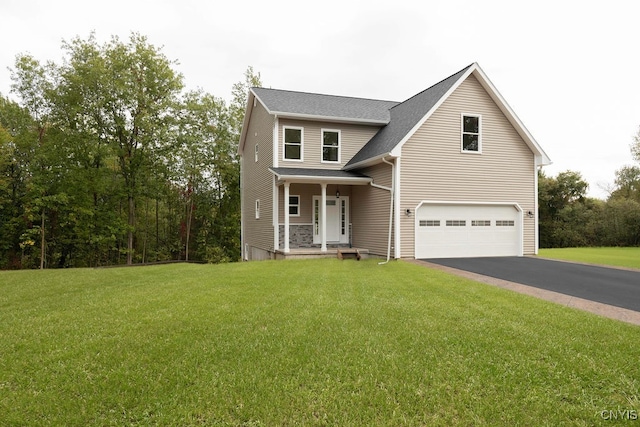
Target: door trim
(343,223)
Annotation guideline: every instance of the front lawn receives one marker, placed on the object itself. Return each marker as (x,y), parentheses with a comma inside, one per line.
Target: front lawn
(322,342)
(619,257)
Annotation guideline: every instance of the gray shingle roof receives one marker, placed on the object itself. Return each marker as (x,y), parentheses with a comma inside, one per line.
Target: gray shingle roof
(317,173)
(345,108)
(404,117)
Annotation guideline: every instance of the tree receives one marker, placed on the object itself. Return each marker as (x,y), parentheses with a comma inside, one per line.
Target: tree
(34,83)
(627,183)
(104,156)
(564,211)
(635,147)
(124,94)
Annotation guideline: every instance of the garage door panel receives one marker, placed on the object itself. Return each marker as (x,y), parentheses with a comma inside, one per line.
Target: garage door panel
(459,230)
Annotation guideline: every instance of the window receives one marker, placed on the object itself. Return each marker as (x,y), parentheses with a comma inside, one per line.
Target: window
(481,223)
(456,223)
(294,205)
(316,217)
(471,141)
(429,223)
(256,155)
(505,223)
(292,143)
(330,145)
(258,209)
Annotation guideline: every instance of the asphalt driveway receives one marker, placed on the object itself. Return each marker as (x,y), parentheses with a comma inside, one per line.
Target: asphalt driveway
(620,288)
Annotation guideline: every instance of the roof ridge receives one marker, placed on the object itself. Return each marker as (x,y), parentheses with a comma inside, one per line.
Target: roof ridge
(326,94)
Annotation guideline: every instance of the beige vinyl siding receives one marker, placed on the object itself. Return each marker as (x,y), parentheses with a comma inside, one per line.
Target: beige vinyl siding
(352,139)
(257,180)
(434,168)
(370,211)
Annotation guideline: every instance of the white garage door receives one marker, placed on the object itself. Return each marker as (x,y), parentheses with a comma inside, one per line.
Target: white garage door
(459,230)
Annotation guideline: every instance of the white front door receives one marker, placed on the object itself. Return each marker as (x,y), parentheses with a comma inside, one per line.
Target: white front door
(333,220)
(337,219)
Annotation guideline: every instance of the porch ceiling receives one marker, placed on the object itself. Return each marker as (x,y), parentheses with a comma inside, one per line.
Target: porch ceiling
(319,176)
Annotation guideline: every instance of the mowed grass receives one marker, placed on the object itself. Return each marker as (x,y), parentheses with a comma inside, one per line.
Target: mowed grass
(320,342)
(619,257)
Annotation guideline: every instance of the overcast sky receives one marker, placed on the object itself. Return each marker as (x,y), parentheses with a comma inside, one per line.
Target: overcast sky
(569,69)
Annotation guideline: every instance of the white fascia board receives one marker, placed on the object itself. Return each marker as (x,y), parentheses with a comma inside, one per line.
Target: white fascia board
(369,162)
(300,179)
(314,179)
(245,123)
(542,159)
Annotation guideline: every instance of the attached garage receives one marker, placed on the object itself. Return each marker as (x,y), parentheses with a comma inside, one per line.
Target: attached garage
(458,230)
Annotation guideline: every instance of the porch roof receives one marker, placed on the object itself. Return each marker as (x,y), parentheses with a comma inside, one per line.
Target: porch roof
(319,176)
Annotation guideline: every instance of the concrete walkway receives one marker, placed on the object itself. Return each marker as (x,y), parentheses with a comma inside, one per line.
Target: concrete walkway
(548,273)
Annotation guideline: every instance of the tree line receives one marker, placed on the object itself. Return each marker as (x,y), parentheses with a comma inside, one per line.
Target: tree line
(570,219)
(107,159)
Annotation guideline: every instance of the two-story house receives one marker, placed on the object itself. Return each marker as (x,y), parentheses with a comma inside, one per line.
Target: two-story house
(450,172)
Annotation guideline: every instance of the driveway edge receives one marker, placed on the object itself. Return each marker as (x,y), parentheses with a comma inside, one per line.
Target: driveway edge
(605,310)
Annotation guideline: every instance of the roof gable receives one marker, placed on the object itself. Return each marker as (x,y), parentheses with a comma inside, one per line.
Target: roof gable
(324,107)
(406,117)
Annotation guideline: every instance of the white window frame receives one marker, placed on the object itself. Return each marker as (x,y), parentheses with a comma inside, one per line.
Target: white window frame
(463,133)
(257,208)
(294,204)
(256,153)
(322,146)
(284,151)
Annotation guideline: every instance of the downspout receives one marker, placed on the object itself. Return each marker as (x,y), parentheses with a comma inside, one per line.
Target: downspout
(392,193)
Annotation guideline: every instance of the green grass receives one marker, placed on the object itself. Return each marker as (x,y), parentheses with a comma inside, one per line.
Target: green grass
(620,257)
(322,342)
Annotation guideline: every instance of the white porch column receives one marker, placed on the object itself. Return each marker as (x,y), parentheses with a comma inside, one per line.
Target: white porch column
(286,217)
(275,219)
(323,215)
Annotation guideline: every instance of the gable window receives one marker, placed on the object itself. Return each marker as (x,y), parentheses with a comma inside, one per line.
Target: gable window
(294,205)
(471,138)
(258,209)
(330,145)
(292,143)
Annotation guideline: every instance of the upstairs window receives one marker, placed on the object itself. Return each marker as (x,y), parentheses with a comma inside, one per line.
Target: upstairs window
(331,146)
(471,138)
(292,143)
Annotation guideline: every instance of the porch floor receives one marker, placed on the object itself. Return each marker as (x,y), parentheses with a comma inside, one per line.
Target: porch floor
(299,253)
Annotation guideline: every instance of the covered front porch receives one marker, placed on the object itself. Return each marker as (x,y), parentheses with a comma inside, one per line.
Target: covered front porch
(312,211)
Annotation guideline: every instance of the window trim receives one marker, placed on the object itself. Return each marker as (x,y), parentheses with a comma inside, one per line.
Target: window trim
(294,204)
(257,208)
(284,144)
(463,133)
(322,146)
